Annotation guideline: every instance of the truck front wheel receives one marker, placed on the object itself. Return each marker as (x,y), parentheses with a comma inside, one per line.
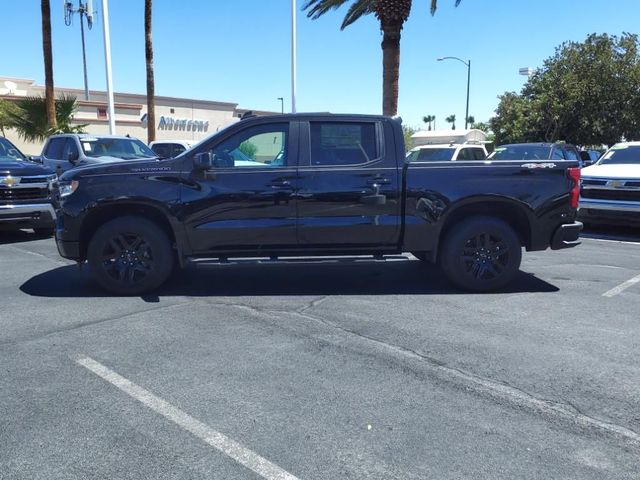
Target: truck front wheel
(481,254)
(130,256)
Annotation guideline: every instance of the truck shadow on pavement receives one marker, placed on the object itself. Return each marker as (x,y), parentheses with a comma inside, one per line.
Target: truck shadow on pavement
(304,278)
(8,237)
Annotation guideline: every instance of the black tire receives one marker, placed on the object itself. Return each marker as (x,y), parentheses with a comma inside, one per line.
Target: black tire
(481,254)
(44,231)
(130,256)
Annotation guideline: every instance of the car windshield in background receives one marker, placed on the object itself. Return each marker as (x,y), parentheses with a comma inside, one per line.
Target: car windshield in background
(521,152)
(125,148)
(624,154)
(431,155)
(8,151)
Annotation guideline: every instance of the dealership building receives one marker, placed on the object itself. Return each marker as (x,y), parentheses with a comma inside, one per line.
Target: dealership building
(176,118)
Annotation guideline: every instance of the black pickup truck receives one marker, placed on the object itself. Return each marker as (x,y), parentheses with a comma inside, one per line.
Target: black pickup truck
(310,185)
(27,192)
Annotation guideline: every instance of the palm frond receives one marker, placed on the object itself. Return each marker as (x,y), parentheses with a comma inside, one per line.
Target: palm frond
(317,8)
(357,10)
(434,5)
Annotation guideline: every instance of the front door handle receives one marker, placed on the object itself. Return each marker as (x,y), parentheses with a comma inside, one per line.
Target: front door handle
(280,184)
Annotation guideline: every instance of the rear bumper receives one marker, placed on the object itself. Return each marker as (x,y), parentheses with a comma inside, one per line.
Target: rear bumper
(33,214)
(566,236)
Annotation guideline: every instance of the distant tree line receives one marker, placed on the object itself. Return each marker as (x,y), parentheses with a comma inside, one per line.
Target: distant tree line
(587,94)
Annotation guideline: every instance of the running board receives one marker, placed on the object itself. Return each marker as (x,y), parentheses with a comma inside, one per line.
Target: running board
(299,260)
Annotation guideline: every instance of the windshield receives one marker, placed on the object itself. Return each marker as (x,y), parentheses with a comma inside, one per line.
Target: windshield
(621,154)
(521,152)
(125,148)
(9,151)
(431,155)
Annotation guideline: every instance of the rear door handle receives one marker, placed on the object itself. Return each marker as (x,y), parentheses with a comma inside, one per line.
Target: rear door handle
(378,181)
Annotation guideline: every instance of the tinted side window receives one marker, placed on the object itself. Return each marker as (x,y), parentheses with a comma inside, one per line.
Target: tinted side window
(177,149)
(570,154)
(54,148)
(254,147)
(557,154)
(70,150)
(163,150)
(478,154)
(343,143)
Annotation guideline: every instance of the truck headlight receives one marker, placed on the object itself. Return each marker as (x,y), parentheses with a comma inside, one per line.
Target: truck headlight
(67,188)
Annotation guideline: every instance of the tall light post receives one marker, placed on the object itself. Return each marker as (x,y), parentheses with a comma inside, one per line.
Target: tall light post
(107,63)
(294,51)
(468,65)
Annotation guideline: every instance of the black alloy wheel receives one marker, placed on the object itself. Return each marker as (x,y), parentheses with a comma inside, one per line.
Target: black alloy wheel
(481,254)
(130,255)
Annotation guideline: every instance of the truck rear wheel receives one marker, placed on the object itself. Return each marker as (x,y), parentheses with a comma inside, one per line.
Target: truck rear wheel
(481,254)
(130,256)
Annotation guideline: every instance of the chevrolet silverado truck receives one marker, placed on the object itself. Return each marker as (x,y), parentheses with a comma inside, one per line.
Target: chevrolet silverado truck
(610,191)
(313,185)
(28,192)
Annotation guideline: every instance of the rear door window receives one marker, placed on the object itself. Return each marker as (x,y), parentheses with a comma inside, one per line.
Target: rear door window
(343,143)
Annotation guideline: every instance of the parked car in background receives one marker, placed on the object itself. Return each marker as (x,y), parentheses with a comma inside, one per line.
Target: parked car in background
(69,150)
(536,151)
(28,192)
(610,191)
(589,157)
(447,152)
(170,148)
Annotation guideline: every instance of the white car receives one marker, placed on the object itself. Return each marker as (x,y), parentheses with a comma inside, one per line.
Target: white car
(170,148)
(610,190)
(447,152)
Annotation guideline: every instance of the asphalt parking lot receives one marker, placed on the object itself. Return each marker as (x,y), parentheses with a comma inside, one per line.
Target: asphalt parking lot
(323,371)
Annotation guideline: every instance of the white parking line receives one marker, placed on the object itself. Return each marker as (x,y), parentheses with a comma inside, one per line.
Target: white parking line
(622,287)
(217,440)
(609,240)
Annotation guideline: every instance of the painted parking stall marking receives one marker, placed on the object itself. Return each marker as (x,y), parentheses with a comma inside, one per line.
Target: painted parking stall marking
(217,440)
(622,287)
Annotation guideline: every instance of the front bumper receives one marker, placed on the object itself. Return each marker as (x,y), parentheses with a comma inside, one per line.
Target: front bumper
(32,214)
(609,205)
(609,212)
(566,236)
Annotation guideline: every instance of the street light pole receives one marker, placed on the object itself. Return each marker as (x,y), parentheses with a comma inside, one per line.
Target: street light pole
(107,62)
(468,65)
(281,104)
(294,51)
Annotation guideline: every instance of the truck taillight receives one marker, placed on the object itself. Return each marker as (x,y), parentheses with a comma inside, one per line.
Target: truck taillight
(574,174)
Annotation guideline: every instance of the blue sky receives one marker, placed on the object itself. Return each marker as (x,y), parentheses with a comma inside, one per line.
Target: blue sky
(239,51)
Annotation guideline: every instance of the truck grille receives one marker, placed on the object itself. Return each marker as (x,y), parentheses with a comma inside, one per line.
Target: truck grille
(16,194)
(600,194)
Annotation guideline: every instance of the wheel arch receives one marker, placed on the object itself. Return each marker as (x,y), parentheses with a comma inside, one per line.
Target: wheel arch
(99,215)
(513,213)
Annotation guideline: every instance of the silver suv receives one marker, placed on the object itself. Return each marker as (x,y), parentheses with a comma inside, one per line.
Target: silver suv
(66,151)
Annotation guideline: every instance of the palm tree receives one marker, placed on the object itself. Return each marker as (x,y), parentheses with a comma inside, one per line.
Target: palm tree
(45,7)
(428,119)
(151,87)
(6,109)
(452,120)
(471,120)
(30,118)
(391,14)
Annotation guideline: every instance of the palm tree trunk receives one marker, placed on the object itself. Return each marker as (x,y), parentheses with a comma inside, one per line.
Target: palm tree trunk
(390,65)
(148,50)
(48,63)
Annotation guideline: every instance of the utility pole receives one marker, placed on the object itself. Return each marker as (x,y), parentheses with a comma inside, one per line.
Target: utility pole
(83,10)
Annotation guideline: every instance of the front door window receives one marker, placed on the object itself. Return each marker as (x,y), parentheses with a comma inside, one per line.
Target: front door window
(262,146)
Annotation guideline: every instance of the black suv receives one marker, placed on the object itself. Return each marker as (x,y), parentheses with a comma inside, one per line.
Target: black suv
(27,192)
